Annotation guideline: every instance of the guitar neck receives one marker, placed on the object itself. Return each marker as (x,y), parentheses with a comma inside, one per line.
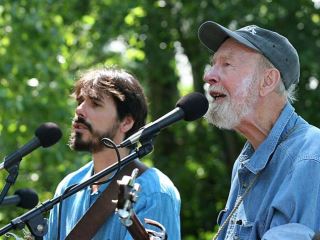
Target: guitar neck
(137,230)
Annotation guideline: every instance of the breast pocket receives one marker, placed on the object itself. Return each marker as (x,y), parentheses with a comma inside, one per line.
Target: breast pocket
(244,230)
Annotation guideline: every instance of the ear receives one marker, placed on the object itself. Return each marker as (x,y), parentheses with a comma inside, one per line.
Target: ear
(270,81)
(126,124)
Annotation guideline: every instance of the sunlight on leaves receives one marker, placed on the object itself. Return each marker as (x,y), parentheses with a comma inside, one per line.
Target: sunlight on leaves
(22,128)
(58,19)
(88,20)
(34,177)
(5,42)
(316,3)
(12,127)
(191,127)
(313,83)
(135,54)
(315,18)
(135,13)
(263,10)
(33,82)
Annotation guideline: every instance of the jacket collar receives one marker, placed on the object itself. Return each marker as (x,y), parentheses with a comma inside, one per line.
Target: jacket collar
(257,160)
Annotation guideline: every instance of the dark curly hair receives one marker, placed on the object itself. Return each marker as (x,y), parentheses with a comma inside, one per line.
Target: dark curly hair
(123,87)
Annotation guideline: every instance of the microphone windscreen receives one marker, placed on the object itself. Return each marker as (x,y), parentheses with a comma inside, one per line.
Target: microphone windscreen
(194,105)
(28,198)
(48,134)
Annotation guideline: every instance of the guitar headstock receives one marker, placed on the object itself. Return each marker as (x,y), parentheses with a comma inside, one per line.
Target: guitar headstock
(127,197)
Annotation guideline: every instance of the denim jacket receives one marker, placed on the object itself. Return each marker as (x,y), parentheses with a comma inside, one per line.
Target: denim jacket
(284,201)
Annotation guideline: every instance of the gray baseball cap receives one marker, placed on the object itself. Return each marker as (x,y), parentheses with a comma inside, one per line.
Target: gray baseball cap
(275,47)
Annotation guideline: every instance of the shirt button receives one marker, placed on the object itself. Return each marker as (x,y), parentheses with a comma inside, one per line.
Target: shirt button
(236,238)
(244,185)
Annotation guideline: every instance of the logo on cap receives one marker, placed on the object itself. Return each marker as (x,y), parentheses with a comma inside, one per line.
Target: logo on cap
(250,29)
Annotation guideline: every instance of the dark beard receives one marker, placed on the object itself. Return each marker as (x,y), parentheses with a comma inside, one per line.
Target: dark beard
(94,145)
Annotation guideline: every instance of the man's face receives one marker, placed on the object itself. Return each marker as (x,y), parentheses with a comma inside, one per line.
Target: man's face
(95,119)
(232,84)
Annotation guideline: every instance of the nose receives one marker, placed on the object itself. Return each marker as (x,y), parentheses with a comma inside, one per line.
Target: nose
(81,110)
(211,76)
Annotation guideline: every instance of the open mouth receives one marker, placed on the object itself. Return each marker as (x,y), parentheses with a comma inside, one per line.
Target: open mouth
(80,123)
(79,126)
(217,95)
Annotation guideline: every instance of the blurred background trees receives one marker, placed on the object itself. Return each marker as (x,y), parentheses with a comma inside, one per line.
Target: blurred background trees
(45,43)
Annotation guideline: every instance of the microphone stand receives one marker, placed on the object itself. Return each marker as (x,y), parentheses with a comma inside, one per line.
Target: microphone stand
(34,219)
(11,179)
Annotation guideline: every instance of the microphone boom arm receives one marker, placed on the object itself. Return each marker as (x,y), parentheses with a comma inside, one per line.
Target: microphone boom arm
(10,180)
(150,130)
(34,219)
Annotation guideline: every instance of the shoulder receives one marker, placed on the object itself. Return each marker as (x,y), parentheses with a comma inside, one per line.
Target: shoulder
(299,151)
(75,177)
(306,131)
(302,142)
(153,181)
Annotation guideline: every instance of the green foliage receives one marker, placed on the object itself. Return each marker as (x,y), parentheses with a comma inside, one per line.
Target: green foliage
(44,45)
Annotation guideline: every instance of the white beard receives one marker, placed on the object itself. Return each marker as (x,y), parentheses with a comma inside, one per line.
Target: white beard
(231,111)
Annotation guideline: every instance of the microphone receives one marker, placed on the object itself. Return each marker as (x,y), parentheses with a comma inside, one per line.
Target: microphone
(189,108)
(46,135)
(24,198)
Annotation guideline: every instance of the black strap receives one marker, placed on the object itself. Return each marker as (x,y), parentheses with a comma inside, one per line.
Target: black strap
(103,207)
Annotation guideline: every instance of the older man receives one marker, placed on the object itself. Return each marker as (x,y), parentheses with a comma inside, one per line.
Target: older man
(275,185)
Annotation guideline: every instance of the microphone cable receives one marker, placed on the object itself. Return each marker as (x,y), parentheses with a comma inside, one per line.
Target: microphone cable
(109,144)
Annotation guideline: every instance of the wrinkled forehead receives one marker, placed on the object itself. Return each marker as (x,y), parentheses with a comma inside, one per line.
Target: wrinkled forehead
(231,49)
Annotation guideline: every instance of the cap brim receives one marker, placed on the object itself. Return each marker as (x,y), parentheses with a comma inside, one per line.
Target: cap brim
(212,35)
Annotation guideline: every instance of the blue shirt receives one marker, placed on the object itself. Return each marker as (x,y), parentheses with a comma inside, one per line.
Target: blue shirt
(284,201)
(158,200)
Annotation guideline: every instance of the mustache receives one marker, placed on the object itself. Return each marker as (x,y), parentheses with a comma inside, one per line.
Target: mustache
(213,88)
(210,88)
(83,121)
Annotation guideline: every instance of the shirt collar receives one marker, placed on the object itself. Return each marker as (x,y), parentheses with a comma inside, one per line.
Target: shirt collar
(261,156)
